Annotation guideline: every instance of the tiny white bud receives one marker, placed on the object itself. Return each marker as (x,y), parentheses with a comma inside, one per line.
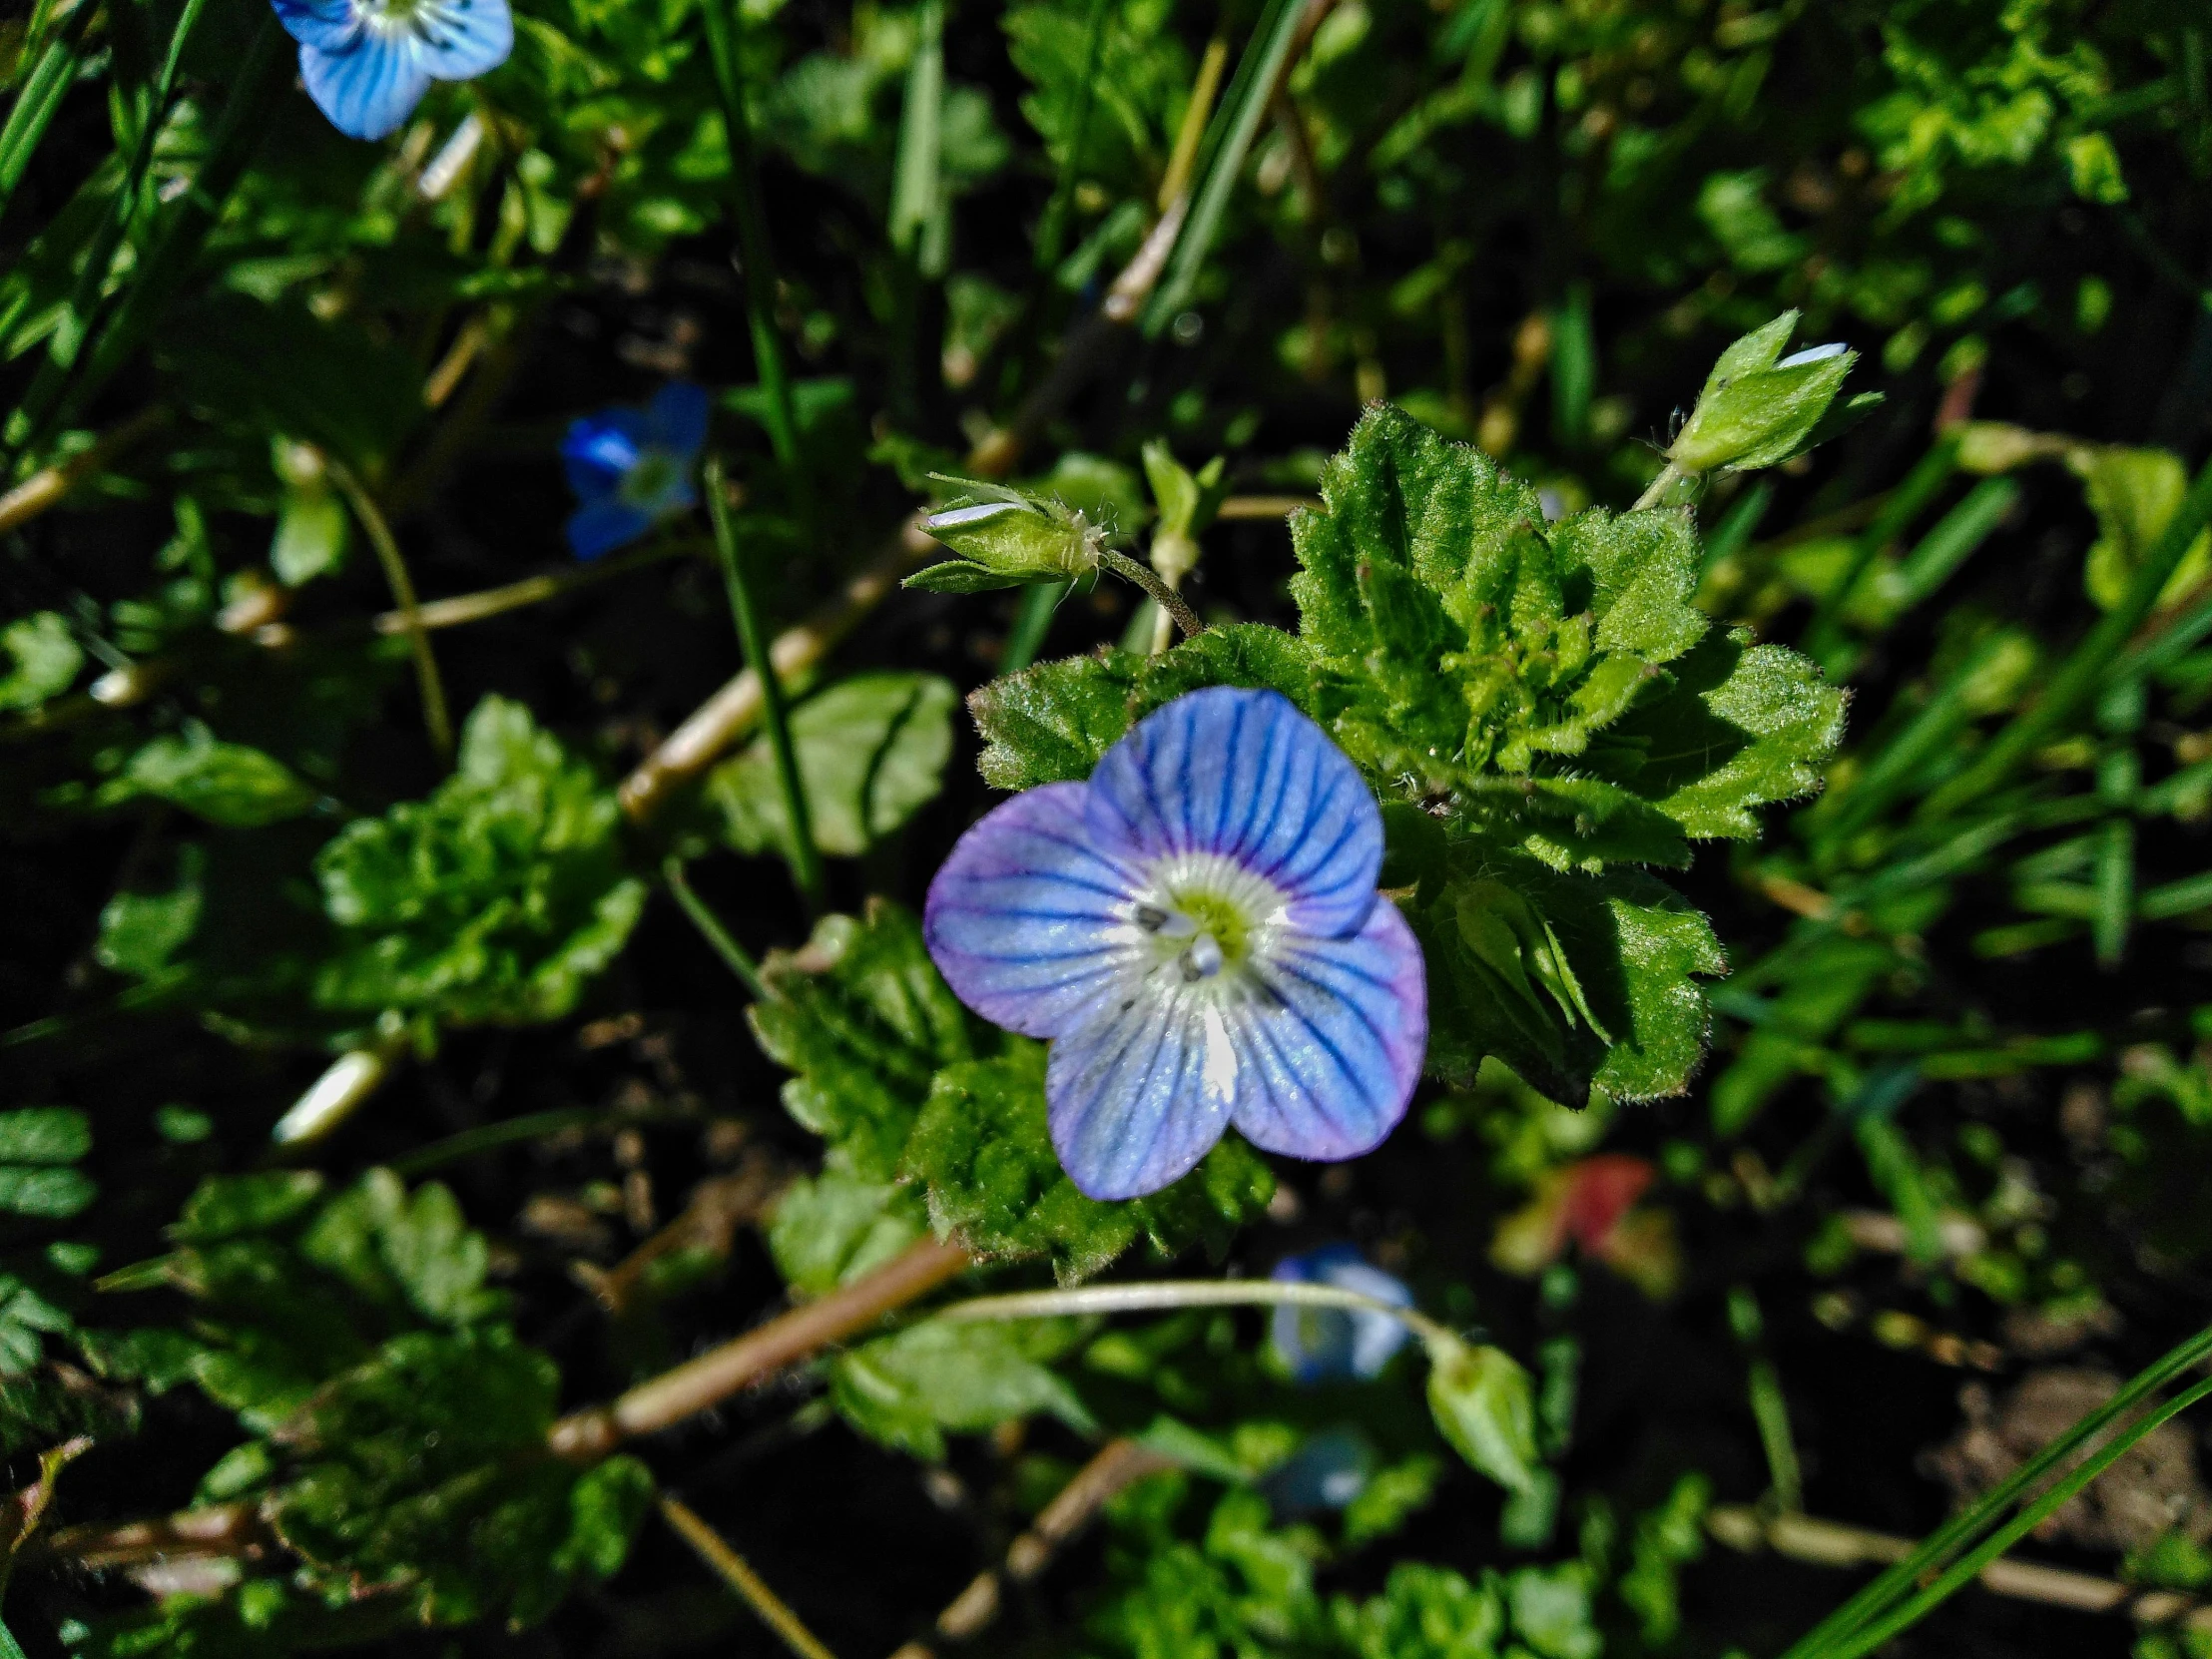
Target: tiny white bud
(1813,354)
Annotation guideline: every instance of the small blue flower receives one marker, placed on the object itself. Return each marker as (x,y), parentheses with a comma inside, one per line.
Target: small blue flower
(1197,928)
(631,469)
(367,63)
(1327,1345)
(1328,1473)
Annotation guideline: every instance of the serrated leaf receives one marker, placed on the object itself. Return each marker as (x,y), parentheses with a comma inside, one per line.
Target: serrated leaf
(494,900)
(862,1014)
(907,1389)
(1573,980)
(225,1206)
(983,1153)
(388,1245)
(871,753)
(1052,722)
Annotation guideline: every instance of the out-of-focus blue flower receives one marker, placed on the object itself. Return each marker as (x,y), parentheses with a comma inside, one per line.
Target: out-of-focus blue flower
(1329,1345)
(367,63)
(1197,928)
(631,469)
(1327,1472)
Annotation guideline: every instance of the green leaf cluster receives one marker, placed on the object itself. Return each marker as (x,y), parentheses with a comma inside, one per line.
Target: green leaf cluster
(400,1427)
(495,900)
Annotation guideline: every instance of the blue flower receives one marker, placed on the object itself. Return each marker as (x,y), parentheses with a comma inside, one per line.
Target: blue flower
(631,469)
(1198,930)
(1328,1473)
(367,63)
(1328,1345)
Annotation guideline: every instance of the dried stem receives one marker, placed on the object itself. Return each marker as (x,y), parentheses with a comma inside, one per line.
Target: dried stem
(435,718)
(531,590)
(1119,1464)
(715,1375)
(734,1570)
(46,487)
(1156,585)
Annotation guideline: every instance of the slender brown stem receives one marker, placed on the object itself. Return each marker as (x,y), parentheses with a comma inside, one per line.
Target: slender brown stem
(50,484)
(434,716)
(715,1375)
(531,590)
(734,1570)
(1153,583)
(1118,1465)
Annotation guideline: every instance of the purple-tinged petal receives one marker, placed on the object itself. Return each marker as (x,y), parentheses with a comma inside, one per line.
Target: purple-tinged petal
(677,419)
(1243,773)
(1029,918)
(1330,1046)
(598,527)
(330,25)
(600,449)
(463,39)
(367,90)
(1328,1345)
(1136,1098)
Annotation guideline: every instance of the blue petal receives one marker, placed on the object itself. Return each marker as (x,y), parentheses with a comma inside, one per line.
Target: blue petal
(1327,1472)
(1329,1051)
(598,527)
(678,415)
(331,25)
(463,39)
(367,91)
(1244,774)
(1326,1345)
(1136,1098)
(600,449)
(1029,918)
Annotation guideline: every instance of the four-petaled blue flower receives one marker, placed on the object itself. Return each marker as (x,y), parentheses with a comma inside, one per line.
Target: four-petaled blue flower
(1331,1345)
(631,469)
(367,63)
(1198,930)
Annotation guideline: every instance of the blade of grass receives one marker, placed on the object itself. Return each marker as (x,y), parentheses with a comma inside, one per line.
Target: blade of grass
(435,717)
(259,79)
(1052,231)
(754,248)
(733,1569)
(2084,668)
(1960,1530)
(1221,159)
(42,93)
(1031,622)
(805,857)
(1824,634)
(1738,525)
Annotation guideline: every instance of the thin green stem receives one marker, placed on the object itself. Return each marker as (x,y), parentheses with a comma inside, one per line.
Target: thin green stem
(1031,622)
(41,94)
(1122,565)
(805,857)
(435,716)
(754,248)
(738,960)
(1187,1292)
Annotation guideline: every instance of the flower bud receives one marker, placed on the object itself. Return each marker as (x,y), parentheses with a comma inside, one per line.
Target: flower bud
(1759,407)
(1007,541)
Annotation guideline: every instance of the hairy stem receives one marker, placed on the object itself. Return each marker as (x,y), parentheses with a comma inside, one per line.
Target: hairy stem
(1188,1293)
(1669,476)
(1153,583)
(435,717)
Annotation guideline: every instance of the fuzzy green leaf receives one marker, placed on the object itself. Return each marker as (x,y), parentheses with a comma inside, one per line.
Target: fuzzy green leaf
(838,1226)
(494,900)
(42,658)
(225,783)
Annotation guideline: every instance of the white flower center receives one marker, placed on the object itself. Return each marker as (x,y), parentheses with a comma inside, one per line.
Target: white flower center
(1203,919)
